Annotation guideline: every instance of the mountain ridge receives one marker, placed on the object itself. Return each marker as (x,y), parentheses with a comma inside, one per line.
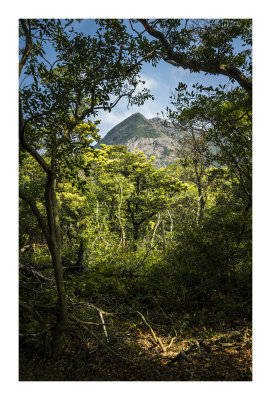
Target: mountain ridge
(135,125)
(155,137)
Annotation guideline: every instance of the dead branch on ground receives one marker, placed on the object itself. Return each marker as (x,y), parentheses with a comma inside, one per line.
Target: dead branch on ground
(30,269)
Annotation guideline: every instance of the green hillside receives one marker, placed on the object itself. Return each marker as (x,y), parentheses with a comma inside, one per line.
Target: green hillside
(134,126)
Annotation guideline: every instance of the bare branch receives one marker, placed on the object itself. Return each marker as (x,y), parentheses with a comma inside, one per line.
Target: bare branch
(37,274)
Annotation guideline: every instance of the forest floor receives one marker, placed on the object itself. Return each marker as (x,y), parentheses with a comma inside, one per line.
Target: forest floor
(133,354)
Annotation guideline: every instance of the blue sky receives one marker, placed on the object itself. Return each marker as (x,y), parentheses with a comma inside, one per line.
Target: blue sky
(161,81)
(262,144)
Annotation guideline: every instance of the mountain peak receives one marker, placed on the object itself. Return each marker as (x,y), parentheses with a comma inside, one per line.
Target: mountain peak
(136,125)
(137,113)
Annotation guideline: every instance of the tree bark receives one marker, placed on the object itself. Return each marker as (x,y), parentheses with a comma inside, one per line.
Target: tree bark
(51,231)
(135,231)
(186,62)
(200,210)
(123,237)
(36,212)
(55,250)
(155,228)
(28,44)
(163,234)
(201,202)
(171,225)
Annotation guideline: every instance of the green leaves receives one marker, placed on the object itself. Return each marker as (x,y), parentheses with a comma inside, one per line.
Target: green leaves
(82,74)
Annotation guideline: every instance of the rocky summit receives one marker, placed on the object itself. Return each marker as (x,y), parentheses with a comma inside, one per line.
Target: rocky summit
(155,137)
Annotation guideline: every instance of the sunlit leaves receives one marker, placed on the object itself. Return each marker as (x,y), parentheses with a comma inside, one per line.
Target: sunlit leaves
(84,73)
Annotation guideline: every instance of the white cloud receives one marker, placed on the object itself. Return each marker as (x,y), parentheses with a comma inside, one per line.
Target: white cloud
(120,112)
(149,109)
(109,120)
(177,74)
(150,83)
(112,118)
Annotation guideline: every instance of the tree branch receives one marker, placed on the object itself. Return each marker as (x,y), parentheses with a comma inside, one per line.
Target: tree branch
(143,58)
(187,63)
(27,146)
(28,45)
(36,212)
(37,274)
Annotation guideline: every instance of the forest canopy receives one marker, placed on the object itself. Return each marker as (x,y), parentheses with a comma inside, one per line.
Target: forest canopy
(114,252)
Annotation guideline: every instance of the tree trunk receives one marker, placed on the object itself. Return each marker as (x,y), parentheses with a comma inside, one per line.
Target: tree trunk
(135,235)
(135,232)
(201,203)
(200,210)
(55,250)
(163,234)
(80,254)
(171,225)
(123,236)
(155,228)
(184,61)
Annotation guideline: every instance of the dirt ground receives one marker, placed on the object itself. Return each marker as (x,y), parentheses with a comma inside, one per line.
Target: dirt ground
(133,354)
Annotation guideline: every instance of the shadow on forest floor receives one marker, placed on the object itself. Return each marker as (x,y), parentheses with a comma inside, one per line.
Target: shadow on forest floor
(133,355)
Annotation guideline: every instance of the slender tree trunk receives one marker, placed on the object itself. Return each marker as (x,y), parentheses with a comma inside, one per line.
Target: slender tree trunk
(97,214)
(55,250)
(200,210)
(171,225)
(51,232)
(163,234)
(201,203)
(135,232)
(123,238)
(155,228)
(135,235)
(80,254)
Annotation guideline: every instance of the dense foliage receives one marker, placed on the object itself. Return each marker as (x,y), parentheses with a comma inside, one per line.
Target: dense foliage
(102,232)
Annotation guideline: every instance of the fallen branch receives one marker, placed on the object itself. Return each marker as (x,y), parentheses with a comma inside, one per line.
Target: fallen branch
(161,345)
(104,344)
(104,326)
(37,274)
(170,343)
(82,322)
(148,325)
(31,311)
(156,339)
(45,329)
(22,335)
(91,306)
(100,312)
